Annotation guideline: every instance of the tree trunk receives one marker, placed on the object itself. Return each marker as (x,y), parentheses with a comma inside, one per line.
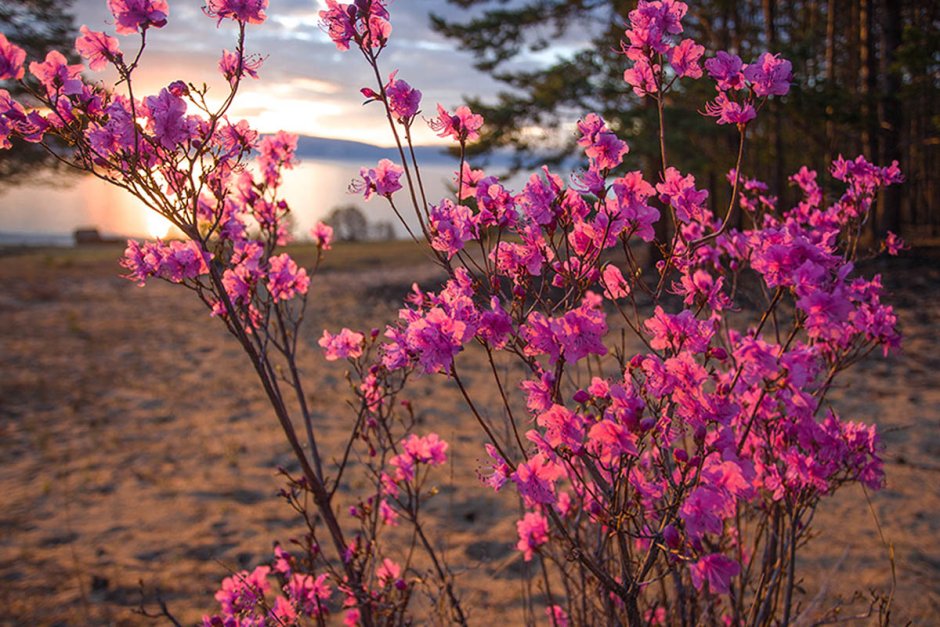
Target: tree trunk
(889,206)
(830,78)
(777,165)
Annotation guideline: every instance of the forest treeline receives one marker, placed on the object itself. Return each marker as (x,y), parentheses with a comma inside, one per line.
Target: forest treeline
(866,81)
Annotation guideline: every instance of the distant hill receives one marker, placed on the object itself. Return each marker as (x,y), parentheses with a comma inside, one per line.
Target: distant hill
(345,150)
(368,154)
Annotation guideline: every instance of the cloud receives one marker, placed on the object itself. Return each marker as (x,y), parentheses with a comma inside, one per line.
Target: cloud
(306,83)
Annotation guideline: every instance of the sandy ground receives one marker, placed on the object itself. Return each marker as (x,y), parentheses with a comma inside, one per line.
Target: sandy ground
(135,445)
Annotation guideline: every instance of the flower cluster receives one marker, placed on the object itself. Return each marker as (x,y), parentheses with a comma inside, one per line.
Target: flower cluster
(739,85)
(695,455)
(244,598)
(652,39)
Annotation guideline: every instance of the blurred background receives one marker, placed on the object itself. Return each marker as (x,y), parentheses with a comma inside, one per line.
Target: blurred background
(867,80)
(135,443)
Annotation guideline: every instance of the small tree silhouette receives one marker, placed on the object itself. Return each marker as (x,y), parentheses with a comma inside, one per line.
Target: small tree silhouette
(349,223)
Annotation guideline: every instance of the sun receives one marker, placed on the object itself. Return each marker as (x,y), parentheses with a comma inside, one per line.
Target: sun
(157,226)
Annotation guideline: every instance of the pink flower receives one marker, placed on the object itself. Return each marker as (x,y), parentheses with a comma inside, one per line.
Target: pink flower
(99,48)
(894,244)
(309,595)
(642,77)
(609,441)
(717,570)
(229,66)
(322,235)
(535,479)
(344,345)
(166,114)
(285,279)
(57,76)
(243,591)
(451,227)
(12,58)
(174,262)
(679,192)
(388,572)
(347,22)
(495,325)
(601,146)
(725,68)
(730,112)
(389,515)
(249,11)
(684,59)
(629,203)
(381,180)
(562,427)
(557,616)
(403,99)
(533,533)
(337,20)
(769,75)
(131,16)
(704,511)
(498,469)
(430,449)
(283,562)
(463,125)
(539,196)
(276,152)
(516,259)
(677,332)
(615,286)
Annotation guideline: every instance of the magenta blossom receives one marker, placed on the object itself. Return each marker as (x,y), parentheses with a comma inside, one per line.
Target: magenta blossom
(250,11)
(131,16)
(166,113)
(464,125)
(337,20)
(684,59)
(12,58)
(642,77)
(717,570)
(403,99)
(346,23)
(229,66)
(242,591)
(894,244)
(322,235)
(769,75)
(99,48)
(725,68)
(57,76)
(533,533)
(389,572)
(344,345)
(451,227)
(430,449)
(730,112)
(600,144)
(381,180)
(285,279)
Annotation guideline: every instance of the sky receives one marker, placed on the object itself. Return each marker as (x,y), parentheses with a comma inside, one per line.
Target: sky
(306,85)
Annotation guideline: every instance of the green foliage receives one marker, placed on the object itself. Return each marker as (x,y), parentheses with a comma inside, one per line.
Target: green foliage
(37,26)
(830,110)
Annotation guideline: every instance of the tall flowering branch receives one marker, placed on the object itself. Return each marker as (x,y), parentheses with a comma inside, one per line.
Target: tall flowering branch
(685,461)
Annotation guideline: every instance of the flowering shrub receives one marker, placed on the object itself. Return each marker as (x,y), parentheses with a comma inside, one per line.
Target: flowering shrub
(666,481)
